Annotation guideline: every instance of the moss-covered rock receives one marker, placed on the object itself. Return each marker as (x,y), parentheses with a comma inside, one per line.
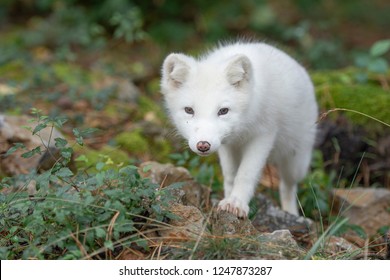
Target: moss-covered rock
(14,70)
(70,74)
(112,158)
(133,142)
(363,102)
(118,110)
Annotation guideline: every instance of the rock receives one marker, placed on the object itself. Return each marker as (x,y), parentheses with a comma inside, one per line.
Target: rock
(270,218)
(188,225)
(367,208)
(65,102)
(191,193)
(335,245)
(226,224)
(280,245)
(353,237)
(12,132)
(220,230)
(126,90)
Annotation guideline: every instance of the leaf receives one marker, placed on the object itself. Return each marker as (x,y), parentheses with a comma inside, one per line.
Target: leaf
(79,137)
(362,60)
(67,152)
(33,152)
(146,168)
(39,127)
(81,134)
(60,142)
(36,111)
(380,48)
(109,245)
(361,77)
(88,131)
(82,158)
(59,121)
(88,200)
(100,233)
(142,243)
(99,179)
(14,148)
(100,166)
(64,172)
(378,65)
(127,227)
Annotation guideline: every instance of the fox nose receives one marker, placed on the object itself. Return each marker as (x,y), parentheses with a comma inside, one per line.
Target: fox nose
(203,146)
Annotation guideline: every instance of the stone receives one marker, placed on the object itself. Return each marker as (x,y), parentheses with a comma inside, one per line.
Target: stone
(12,131)
(191,193)
(188,224)
(280,245)
(219,227)
(365,207)
(126,90)
(269,218)
(227,224)
(335,245)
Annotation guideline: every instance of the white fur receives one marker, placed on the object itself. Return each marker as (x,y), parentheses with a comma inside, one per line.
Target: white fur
(271,115)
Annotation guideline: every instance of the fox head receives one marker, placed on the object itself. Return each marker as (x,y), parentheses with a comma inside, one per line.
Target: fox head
(207,99)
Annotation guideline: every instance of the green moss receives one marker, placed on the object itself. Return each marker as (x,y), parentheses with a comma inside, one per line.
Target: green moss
(146,105)
(153,87)
(344,77)
(111,156)
(14,70)
(340,89)
(118,110)
(133,142)
(161,149)
(366,99)
(71,74)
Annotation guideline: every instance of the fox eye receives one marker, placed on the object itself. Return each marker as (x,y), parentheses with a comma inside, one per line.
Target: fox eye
(223,111)
(189,110)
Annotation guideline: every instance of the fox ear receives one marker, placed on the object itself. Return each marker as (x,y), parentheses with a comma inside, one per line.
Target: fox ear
(239,71)
(175,70)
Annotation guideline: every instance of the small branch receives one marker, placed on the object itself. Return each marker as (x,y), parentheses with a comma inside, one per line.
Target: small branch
(81,247)
(324,115)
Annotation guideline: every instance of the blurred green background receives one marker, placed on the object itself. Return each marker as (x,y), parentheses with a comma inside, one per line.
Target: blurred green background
(323,33)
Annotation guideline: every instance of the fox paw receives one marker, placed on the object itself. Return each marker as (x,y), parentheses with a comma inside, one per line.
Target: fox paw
(235,206)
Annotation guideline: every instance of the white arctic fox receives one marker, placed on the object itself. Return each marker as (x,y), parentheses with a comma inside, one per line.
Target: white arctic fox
(250,102)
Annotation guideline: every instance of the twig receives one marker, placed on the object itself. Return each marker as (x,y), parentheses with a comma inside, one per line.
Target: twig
(81,247)
(324,115)
(387,241)
(109,232)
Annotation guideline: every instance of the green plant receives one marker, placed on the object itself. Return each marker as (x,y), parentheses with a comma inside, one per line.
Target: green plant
(204,171)
(321,241)
(315,192)
(128,25)
(76,215)
(374,61)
